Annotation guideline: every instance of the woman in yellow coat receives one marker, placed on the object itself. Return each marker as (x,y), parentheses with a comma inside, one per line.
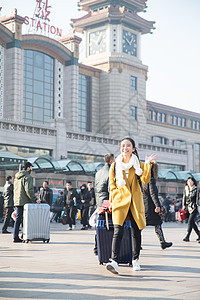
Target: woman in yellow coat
(126,199)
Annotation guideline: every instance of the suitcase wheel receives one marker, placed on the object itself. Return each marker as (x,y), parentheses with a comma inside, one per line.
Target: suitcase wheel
(101,263)
(46,241)
(26,241)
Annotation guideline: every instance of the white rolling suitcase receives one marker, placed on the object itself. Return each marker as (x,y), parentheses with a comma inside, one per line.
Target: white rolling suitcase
(36,222)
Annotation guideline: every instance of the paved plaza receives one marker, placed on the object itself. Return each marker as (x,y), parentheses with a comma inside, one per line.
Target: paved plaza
(66,268)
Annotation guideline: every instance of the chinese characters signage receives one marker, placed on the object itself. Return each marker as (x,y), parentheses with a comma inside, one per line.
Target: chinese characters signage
(40,23)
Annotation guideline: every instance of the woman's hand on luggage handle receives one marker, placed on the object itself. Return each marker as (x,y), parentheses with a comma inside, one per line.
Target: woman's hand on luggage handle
(157,209)
(152,157)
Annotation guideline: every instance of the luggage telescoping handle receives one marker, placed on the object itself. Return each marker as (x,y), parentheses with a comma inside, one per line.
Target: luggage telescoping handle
(106,215)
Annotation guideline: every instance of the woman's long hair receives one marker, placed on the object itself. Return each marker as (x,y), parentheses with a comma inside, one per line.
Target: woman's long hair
(193,179)
(154,170)
(133,144)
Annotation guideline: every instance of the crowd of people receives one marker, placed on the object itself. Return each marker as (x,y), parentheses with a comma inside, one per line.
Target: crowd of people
(130,186)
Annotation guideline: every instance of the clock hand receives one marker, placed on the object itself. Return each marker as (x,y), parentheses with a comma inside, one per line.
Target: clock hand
(131,40)
(127,41)
(100,39)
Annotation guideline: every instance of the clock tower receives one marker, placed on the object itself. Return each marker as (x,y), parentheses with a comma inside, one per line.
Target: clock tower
(112,32)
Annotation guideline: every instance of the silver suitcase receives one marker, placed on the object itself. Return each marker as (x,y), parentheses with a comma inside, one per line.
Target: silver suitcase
(36,222)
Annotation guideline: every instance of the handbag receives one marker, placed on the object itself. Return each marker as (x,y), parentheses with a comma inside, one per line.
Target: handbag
(93,218)
(182,215)
(78,215)
(65,219)
(162,212)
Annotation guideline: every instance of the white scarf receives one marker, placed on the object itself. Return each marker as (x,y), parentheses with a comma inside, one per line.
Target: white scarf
(188,189)
(120,166)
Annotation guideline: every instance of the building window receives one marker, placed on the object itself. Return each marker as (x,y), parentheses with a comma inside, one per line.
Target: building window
(193,124)
(178,121)
(159,140)
(84,104)
(150,114)
(133,112)
(171,166)
(183,122)
(157,116)
(178,143)
(85,157)
(164,118)
(133,83)
(25,151)
(38,94)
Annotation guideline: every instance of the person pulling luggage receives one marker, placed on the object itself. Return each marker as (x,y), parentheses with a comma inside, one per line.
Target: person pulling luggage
(102,186)
(125,179)
(23,193)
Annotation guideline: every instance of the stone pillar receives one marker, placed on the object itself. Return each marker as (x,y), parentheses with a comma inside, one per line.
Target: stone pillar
(13,104)
(70,96)
(60,147)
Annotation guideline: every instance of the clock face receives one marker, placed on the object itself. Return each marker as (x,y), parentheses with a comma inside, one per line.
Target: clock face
(129,43)
(97,42)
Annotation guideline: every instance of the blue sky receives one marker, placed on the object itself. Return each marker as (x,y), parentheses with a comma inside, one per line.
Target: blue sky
(171,52)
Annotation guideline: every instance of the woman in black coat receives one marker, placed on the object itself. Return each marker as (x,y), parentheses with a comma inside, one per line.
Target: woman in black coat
(190,196)
(85,203)
(153,206)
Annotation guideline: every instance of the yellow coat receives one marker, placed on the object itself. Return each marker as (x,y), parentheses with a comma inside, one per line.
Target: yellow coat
(128,196)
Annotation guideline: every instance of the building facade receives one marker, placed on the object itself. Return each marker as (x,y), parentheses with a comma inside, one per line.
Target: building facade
(51,103)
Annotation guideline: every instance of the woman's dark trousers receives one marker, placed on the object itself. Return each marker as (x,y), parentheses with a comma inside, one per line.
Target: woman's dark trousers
(84,216)
(19,217)
(9,211)
(71,211)
(192,224)
(117,238)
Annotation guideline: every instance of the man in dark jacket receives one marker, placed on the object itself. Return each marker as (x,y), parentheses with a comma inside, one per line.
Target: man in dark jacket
(23,193)
(85,203)
(46,194)
(72,201)
(102,180)
(57,206)
(8,202)
(102,185)
(93,198)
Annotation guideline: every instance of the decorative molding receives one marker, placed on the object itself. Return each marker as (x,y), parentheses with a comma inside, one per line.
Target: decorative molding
(160,148)
(22,128)
(59,91)
(92,138)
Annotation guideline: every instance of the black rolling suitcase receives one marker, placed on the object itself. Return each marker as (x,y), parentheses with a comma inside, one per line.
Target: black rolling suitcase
(104,241)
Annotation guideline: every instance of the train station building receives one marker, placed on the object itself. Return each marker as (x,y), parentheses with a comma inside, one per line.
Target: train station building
(56,108)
